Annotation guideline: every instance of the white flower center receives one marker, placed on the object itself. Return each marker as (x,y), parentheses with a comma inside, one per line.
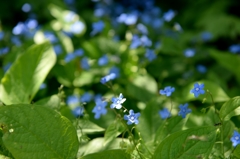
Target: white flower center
(237,138)
(99,108)
(197,89)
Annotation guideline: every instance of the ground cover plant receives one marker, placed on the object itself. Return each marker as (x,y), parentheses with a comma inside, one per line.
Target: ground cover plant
(123,79)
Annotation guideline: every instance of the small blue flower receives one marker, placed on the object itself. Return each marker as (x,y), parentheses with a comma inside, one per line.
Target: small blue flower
(77,27)
(97,28)
(107,78)
(72,100)
(128,19)
(31,24)
(43,86)
(57,49)
(78,52)
(69,57)
(234,48)
(99,109)
(78,111)
(164,113)
(4,50)
(26,7)
(206,36)
(198,89)
(50,36)
(169,15)
(201,68)
(117,102)
(136,42)
(16,41)
(146,42)
(189,52)
(115,70)
(235,138)
(150,55)
(84,63)
(19,29)
(132,118)
(167,91)
(142,28)
(1,35)
(86,97)
(103,60)
(184,110)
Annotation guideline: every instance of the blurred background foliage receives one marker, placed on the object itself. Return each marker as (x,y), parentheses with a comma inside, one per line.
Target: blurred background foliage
(191,41)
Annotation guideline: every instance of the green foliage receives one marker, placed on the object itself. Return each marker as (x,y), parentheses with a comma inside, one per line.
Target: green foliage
(22,81)
(109,154)
(28,132)
(190,143)
(230,108)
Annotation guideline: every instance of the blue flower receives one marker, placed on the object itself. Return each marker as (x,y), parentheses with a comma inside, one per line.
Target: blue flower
(167,91)
(19,29)
(189,52)
(142,28)
(43,86)
(115,70)
(1,35)
(84,63)
(31,24)
(107,78)
(26,7)
(184,110)
(78,52)
(16,41)
(117,102)
(164,113)
(128,19)
(86,97)
(103,60)
(136,42)
(78,111)
(69,17)
(132,118)
(4,50)
(234,48)
(235,138)
(97,27)
(77,27)
(169,15)
(69,57)
(72,100)
(99,109)
(201,68)
(198,89)
(146,41)
(50,36)
(57,49)
(206,36)
(150,55)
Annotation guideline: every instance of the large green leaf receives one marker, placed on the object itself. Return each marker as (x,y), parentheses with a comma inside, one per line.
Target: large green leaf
(37,132)
(227,60)
(22,81)
(51,102)
(190,143)
(109,154)
(89,127)
(113,130)
(149,121)
(170,126)
(230,108)
(217,92)
(143,87)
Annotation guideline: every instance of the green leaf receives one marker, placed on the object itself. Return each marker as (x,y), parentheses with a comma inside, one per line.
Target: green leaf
(149,121)
(230,108)
(109,154)
(97,145)
(23,80)
(190,143)
(89,127)
(170,126)
(217,92)
(51,102)
(227,60)
(113,130)
(37,132)
(143,87)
